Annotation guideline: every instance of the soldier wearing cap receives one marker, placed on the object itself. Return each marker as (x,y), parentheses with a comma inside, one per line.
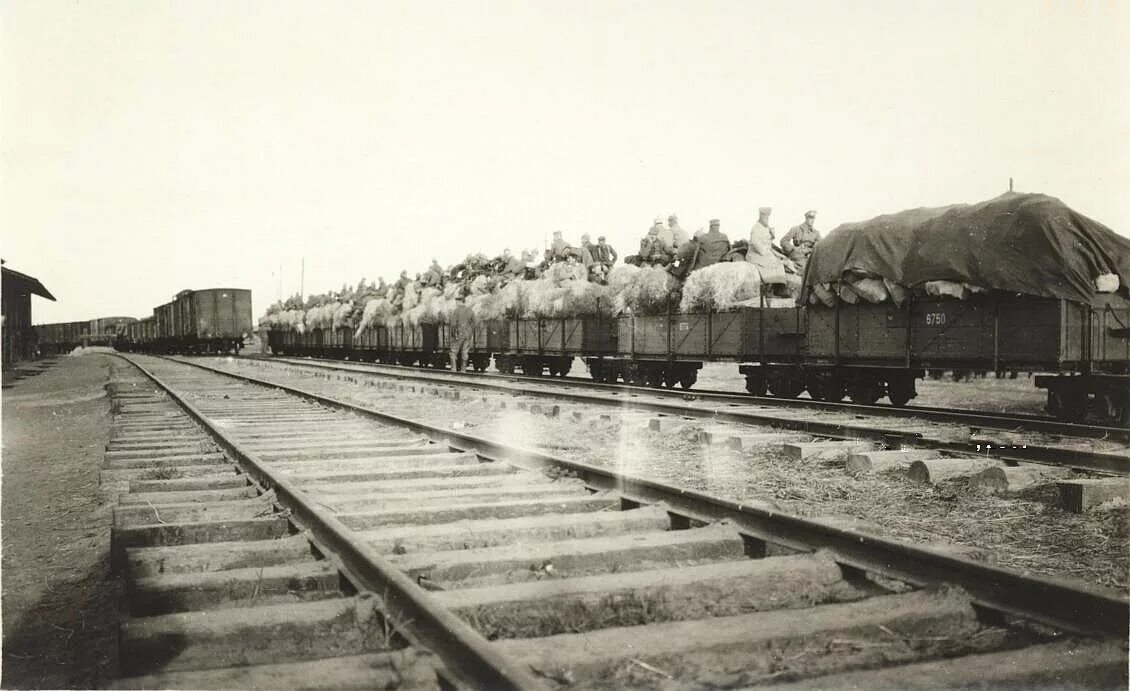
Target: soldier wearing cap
(603,258)
(679,236)
(655,248)
(800,239)
(434,277)
(460,327)
(558,249)
(715,244)
(760,252)
(514,266)
(704,249)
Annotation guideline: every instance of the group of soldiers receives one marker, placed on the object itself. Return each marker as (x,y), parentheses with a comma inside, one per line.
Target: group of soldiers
(668,246)
(598,258)
(664,245)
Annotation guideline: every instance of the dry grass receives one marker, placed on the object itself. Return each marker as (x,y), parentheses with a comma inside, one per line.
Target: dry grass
(161,471)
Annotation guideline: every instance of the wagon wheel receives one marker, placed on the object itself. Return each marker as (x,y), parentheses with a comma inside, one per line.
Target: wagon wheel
(670,379)
(786,385)
(833,390)
(563,368)
(596,371)
(865,391)
(899,397)
(688,378)
(611,376)
(1068,405)
(756,384)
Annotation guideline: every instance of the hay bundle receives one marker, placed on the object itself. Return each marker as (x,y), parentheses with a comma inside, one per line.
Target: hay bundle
(484,285)
(321,316)
(562,291)
(512,298)
(544,299)
(720,287)
(343,315)
(486,306)
(641,290)
(586,298)
(897,292)
(294,319)
(951,289)
(377,311)
(1107,283)
(868,288)
(411,297)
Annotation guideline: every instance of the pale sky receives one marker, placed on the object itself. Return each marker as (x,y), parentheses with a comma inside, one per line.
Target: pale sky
(149,147)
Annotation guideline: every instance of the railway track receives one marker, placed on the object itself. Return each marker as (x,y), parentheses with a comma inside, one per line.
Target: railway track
(273,537)
(1019,422)
(847,425)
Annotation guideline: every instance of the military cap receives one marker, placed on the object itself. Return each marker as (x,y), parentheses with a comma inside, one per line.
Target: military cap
(811,213)
(765,210)
(672,217)
(600,237)
(714,223)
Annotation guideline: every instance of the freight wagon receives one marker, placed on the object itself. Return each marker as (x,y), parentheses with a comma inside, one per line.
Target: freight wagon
(63,337)
(216,320)
(865,351)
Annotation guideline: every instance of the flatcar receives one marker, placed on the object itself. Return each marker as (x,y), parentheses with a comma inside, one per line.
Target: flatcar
(216,320)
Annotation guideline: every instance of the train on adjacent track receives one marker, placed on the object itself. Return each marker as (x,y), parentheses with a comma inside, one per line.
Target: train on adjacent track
(215,320)
(63,337)
(861,351)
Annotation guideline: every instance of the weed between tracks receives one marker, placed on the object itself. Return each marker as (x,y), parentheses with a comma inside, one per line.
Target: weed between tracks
(379,626)
(162,471)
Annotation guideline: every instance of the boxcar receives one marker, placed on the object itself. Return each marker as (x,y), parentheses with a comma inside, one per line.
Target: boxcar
(212,320)
(61,337)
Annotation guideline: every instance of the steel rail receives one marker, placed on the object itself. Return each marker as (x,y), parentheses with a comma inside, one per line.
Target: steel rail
(1018,422)
(468,657)
(1081,459)
(1078,608)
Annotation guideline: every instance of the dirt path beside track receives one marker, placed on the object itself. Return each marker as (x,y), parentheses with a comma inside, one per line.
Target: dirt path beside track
(59,610)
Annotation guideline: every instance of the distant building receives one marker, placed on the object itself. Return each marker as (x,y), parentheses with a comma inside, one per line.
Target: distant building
(15,322)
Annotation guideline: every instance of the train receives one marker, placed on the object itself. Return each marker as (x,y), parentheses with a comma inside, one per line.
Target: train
(211,321)
(63,337)
(865,352)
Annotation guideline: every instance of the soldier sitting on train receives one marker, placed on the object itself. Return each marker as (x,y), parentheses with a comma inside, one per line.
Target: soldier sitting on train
(657,247)
(704,249)
(799,242)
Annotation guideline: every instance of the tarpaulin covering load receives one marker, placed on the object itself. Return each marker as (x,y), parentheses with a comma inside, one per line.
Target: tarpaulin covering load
(1024,243)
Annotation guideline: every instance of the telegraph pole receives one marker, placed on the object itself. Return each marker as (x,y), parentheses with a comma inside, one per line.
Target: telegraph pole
(302,281)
